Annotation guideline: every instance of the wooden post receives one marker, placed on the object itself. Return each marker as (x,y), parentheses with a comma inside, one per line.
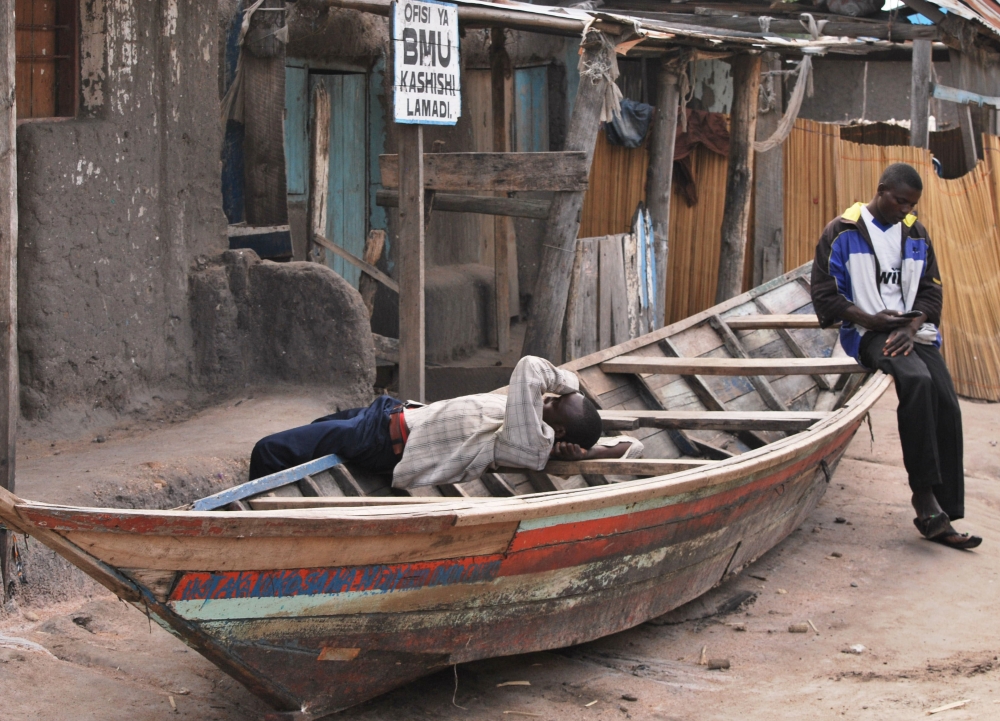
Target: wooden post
(9,402)
(920,92)
(543,335)
(769,188)
(411,262)
(739,176)
(661,170)
(968,137)
(499,63)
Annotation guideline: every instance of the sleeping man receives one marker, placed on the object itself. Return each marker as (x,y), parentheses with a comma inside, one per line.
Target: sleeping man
(459,439)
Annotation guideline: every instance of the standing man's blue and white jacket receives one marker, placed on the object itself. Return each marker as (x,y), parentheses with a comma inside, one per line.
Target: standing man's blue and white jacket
(847,271)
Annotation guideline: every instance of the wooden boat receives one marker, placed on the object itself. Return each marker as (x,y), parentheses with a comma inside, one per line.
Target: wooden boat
(318,588)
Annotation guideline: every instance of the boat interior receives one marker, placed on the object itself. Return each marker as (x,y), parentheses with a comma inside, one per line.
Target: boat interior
(731,379)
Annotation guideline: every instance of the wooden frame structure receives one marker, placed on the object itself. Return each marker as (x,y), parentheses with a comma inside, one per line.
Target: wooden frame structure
(667,35)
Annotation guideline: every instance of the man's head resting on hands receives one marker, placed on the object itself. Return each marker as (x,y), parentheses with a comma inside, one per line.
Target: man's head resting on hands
(899,191)
(573,418)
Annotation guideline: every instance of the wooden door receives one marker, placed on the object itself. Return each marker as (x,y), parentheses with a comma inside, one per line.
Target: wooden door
(531,109)
(346,202)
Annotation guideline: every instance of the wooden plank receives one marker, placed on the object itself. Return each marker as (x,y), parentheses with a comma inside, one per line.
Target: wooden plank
(630,258)
(797,350)
(649,399)
(348,484)
(614,320)
(625,422)
(718,420)
(499,69)
(836,25)
(769,183)
(581,311)
(386,348)
(618,466)
(279,504)
(371,270)
(264,484)
(541,481)
(207,553)
(731,366)
(661,167)
(309,487)
(739,176)
(497,485)
(565,171)
(374,246)
(319,160)
(93,567)
(920,89)
(411,261)
(968,136)
(736,349)
(482,204)
(756,322)
(9,388)
(543,334)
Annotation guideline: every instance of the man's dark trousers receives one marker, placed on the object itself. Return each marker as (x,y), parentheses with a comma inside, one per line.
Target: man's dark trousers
(929,417)
(359,435)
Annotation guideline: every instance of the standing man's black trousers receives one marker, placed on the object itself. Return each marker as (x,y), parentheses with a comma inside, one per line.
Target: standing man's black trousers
(930,420)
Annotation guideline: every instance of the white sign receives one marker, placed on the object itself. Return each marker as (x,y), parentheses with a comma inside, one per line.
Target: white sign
(426,80)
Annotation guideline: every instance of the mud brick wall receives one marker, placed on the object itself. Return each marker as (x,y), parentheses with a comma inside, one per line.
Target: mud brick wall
(114,206)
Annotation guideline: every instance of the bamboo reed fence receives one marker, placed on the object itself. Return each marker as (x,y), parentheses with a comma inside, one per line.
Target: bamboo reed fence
(810,188)
(694,239)
(961,216)
(617,186)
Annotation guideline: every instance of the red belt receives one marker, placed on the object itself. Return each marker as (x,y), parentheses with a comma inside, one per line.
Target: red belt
(398,430)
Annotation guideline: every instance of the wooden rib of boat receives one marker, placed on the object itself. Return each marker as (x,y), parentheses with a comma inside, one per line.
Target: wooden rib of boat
(321,587)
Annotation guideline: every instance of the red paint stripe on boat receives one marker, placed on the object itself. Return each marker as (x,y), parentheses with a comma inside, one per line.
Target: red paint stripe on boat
(582,530)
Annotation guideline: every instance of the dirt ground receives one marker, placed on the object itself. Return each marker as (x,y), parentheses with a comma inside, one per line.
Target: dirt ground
(927,617)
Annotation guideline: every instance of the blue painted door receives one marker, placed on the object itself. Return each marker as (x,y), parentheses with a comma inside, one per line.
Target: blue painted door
(347,210)
(531,109)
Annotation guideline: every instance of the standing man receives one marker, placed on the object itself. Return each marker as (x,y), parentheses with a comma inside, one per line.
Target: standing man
(876,272)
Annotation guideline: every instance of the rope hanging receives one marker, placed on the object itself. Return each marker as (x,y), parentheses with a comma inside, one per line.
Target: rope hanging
(598,62)
(784,128)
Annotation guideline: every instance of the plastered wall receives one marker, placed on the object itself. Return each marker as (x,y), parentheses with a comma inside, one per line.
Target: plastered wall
(114,207)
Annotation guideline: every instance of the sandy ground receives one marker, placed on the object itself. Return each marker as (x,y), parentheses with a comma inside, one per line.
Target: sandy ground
(928,617)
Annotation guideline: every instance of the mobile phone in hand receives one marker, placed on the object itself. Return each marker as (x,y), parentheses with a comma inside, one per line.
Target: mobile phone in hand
(910,314)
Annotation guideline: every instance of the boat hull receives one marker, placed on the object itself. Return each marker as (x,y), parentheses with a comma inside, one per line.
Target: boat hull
(323,638)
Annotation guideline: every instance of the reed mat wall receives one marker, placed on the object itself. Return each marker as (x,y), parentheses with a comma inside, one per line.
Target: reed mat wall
(961,216)
(810,188)
(617,185)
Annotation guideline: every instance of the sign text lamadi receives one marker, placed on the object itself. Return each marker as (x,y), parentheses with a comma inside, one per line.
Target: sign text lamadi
(426,80)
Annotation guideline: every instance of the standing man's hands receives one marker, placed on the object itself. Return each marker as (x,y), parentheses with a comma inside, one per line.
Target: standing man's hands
(901,330)
(886,321)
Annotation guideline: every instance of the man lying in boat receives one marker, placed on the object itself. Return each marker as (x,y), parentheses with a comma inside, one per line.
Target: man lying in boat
(456,440)
(875,270)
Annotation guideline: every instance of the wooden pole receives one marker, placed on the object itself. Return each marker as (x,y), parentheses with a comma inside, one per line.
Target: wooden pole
(769,188)
(739,176)
(968,137)
(499,64)
(661,171)
(9,402)
(411,262)
(543,335)
(920,92)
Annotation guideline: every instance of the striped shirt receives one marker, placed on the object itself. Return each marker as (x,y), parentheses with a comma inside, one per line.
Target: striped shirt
(456,440)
